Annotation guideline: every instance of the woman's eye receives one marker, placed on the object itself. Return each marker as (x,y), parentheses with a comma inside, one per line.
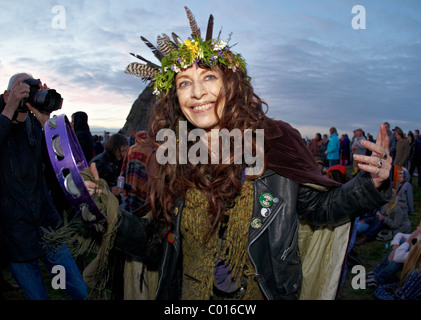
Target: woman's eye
(183,84)
(210,77)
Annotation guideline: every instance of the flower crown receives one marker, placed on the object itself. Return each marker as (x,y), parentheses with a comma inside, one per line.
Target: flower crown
(176,56)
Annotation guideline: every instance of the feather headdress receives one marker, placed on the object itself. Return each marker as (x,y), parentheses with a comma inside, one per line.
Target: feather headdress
(176,55)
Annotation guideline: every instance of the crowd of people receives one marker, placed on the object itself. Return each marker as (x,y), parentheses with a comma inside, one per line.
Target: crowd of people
(405,149)
(390,222)
(216,230)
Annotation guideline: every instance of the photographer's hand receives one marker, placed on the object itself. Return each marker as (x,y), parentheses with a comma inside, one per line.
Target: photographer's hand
(42,117)
(18,92)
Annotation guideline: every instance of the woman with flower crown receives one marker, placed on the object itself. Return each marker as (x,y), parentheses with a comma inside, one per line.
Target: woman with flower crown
(232,230)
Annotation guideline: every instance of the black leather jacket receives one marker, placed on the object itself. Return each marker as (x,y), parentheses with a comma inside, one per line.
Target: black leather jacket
(273,247)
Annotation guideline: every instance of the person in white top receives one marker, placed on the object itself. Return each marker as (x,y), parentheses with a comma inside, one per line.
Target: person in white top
(386,271)
(402,251)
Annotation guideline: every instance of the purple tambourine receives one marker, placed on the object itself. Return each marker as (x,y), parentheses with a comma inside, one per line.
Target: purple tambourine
(68,161)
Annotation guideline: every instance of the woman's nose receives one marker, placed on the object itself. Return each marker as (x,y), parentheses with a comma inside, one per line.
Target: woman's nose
(198,90)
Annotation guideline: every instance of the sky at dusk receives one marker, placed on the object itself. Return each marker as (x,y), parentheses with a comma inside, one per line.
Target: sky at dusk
(315,63)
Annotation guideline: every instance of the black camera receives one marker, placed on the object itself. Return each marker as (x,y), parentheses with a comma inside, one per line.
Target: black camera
(46,101)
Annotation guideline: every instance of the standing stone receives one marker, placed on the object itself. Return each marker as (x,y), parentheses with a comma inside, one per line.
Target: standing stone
(139,113)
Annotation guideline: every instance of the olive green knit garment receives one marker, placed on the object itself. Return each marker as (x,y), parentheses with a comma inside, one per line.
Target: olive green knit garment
(83,238)
(199,255)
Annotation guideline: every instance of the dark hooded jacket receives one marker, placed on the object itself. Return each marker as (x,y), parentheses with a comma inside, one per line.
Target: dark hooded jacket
(405,192)
(83,133)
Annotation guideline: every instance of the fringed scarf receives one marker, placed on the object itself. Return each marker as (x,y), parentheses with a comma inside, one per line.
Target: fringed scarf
(201,254)
(83,238)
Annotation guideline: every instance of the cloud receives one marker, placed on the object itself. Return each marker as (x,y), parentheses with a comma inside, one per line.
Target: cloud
(304,58)
(364,78)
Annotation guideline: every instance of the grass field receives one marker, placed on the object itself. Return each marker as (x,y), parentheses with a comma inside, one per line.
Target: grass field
(370,254)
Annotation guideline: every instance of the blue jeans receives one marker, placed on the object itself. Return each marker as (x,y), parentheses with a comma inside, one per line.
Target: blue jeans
(361,227)
(385,271)
(29,276)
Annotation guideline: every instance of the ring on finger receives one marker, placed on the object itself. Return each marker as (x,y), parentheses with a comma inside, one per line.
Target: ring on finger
(378,171)
(385,155)
(379,164)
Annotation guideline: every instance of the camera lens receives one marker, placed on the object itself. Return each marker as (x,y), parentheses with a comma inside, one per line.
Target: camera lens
(47,100)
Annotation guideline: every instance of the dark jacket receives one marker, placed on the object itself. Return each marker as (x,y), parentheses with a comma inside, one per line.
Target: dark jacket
(25,203)
(83,134)
(108,168)
(417,151)
(273,248)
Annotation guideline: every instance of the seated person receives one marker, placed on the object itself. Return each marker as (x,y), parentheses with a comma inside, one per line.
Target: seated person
(367,227)
(409,286)
(384,223)
(386,271)
(394,217)
(404,190)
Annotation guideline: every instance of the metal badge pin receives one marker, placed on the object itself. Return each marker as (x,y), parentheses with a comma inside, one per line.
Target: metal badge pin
(265,212)
(256,223)
(266,200)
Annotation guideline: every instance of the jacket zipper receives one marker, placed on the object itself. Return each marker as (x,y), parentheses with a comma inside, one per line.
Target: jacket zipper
(162,269)
(259,278)
(291,244)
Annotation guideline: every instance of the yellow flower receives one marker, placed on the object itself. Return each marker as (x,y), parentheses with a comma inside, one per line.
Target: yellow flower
(193,47)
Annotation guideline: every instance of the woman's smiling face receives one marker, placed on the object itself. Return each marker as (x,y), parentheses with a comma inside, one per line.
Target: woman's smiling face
(197,92)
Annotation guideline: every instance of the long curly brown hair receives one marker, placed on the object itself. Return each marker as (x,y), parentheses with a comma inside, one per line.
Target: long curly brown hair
(221,183)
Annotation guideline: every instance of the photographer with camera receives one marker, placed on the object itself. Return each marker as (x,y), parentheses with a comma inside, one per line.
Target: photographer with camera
(26,206)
